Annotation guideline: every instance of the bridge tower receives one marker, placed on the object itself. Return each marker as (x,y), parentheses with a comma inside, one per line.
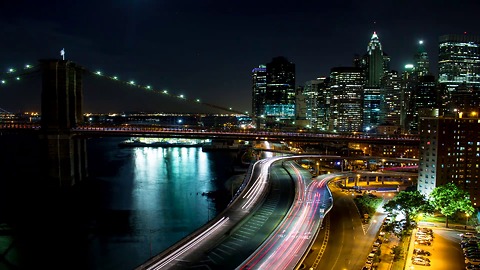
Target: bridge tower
(62,101)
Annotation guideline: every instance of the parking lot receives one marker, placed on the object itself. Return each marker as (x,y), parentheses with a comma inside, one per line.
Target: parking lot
(443,246)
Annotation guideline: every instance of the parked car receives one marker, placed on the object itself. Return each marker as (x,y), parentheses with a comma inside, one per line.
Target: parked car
(468,235)
(423,242)
(469,261)
(419,251)
(425,236)
(425,230)
(420,261)
(420,257)
(370,257)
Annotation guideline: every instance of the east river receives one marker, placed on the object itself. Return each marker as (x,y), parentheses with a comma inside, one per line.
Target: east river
(135,203)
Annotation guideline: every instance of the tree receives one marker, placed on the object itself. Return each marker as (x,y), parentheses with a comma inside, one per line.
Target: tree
(410,203)
(448,199)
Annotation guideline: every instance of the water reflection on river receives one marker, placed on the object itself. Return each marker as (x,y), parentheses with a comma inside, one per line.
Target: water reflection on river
(137,202)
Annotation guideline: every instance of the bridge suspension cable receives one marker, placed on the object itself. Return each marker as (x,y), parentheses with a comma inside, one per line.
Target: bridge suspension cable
(16,74)
(164,92)
(4,111)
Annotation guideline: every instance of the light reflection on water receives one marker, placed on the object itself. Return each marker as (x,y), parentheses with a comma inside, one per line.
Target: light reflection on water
(136,203)
(165,199)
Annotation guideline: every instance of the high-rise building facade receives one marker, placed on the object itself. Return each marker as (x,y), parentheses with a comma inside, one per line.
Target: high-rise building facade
(422,63)
(408,86)
(317,97)
(273,91)
(424,96)
(259,88)
(459,61)
(392,85)
(346,102)
(450,153)
(280,90)
(373,100)
(376,64)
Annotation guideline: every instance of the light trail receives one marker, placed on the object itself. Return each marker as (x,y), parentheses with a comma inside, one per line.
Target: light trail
(178,252)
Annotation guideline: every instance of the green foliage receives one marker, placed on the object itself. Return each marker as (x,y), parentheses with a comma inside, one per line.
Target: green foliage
(368,204)
(410,203)
(397,253)
(449,199)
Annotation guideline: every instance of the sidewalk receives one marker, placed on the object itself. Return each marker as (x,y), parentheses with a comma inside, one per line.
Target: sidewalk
(386,257)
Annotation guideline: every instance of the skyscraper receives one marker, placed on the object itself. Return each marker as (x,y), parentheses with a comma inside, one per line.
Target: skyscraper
(459,61)
(422,63)
(346,100)
(408,86)
(259,88)
(424,96)
(377,62)
(317,103)
(376,65)
(392,84)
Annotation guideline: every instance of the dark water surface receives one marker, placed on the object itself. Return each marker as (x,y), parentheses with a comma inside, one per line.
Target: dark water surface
(135,203)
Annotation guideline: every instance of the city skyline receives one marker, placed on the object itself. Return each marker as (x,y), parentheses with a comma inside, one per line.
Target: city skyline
(207,50)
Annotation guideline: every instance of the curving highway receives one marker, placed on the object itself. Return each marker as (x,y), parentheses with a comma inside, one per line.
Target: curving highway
(272,217)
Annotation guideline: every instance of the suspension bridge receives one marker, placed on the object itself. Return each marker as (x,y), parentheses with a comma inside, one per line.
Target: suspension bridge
(13,76)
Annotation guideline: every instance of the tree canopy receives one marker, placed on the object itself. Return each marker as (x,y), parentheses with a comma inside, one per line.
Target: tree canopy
(448,199)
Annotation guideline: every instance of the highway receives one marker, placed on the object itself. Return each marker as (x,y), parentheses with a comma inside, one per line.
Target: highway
(294,236)
(273,222)
(349,240)
(240,229)
(270,215)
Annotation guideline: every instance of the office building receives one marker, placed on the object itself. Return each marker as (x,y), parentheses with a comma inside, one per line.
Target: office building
(375,65)
(274,92)
(259,88)
(377,62)
(346,102)
(459,61)
(422,63)
(424,96)
(392,85)
(317,99)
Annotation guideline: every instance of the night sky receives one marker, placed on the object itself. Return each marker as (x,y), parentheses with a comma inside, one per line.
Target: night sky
(207,49)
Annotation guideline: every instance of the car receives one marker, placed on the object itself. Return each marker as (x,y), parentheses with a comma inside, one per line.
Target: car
(420,233)
(467,235)
(419,251)
(472,267)
(420,261)
(368,265)
(370,257)
(423,242)
(424,237)
(469,261)
(420,257)
(469,243)
(425,230)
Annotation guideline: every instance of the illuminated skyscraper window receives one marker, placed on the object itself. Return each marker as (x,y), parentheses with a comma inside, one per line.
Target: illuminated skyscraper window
(459,61)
